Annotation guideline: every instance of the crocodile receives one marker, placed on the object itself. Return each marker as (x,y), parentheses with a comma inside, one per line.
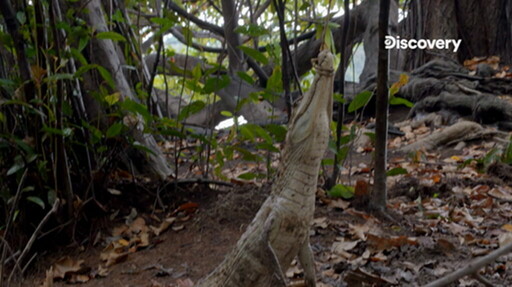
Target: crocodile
(280,230)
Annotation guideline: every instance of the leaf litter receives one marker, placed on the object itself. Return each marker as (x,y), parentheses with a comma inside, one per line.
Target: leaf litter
(451,212)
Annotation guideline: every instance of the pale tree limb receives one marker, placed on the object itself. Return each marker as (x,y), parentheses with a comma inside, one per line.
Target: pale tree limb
(472,267)
(450,134)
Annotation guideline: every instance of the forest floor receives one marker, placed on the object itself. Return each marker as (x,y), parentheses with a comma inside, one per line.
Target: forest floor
(448,212)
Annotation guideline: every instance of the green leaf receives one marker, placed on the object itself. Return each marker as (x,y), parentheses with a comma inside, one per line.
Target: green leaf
(247,176)
(190,109)
(51,196)
(162,21)
(341,190)
(109,35)
(112,98)
(7,84)
(278,131)
(58,77)
(359,101)
(142,147)
(305,5)
(18,165)
(244,76)
(188,34)
(134,107)
(400,101)
(267,146)
(226,114)
(78,56)
(252,30)
(327,161)
(396,171)
(214,84)
(21,17)
(114,130)
(262,133)
(507,155)
(255,54)
(337,97)
(247,132)
(105,74)
(275,83)
(65,132)
(82,43)
(247,155)
(36,200)
(492,156)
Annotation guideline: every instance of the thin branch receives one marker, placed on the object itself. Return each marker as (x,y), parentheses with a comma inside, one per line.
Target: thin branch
(230,16)
(32,239)
(180,37)
(341,107)
(472,267)
(261,9)
(200,23)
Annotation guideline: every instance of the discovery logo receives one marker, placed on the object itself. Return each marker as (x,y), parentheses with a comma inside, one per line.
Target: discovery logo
(396,43)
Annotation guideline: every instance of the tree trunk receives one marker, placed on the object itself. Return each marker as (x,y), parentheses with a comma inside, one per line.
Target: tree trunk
(106,54)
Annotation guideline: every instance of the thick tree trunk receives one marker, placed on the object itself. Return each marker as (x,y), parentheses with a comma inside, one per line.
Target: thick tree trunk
(106,55)
(483,26)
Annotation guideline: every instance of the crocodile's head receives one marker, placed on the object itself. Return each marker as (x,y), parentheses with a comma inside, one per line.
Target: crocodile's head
(311,119)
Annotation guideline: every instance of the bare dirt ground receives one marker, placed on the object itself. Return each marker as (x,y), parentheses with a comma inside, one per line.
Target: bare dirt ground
(447,212)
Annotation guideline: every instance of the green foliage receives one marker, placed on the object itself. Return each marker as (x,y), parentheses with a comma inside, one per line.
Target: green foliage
(359,101)
(395,88)
(507,154)
(190,109)
(341,190)
(252,30)
(214,84)
(396,171)
(400,101)
(255,54)
(110,35)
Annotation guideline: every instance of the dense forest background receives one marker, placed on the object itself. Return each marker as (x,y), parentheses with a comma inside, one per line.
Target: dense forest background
(108,104)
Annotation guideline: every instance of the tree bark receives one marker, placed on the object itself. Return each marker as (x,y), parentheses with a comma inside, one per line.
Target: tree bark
(379,192)
(105,54)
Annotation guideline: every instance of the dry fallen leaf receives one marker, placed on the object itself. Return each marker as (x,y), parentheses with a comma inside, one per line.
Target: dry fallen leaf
(184,283)
(48,280)
(320,222)
(66,266)
(138,225)
(163,226)
(342,246)
(384,243)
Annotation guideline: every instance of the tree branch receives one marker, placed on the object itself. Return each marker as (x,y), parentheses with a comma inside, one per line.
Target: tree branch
(200,23)
(472,267)
(230,15)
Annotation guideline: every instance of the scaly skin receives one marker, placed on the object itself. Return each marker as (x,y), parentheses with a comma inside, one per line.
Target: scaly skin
(280,229)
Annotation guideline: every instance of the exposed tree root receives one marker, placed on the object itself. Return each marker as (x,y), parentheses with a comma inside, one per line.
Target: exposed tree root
(452,134)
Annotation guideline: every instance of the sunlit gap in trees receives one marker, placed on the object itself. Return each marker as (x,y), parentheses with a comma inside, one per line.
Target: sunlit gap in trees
(230,122)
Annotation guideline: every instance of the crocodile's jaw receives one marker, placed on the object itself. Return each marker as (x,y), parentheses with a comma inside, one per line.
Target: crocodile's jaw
(310,123)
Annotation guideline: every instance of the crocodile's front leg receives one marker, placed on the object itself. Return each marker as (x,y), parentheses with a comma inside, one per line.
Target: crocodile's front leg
(308,263)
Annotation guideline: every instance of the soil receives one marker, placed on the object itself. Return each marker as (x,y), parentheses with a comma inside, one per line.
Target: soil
(428,239)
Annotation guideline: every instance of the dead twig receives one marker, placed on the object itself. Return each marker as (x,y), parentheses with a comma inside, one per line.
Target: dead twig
(32,239)
(472,267)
